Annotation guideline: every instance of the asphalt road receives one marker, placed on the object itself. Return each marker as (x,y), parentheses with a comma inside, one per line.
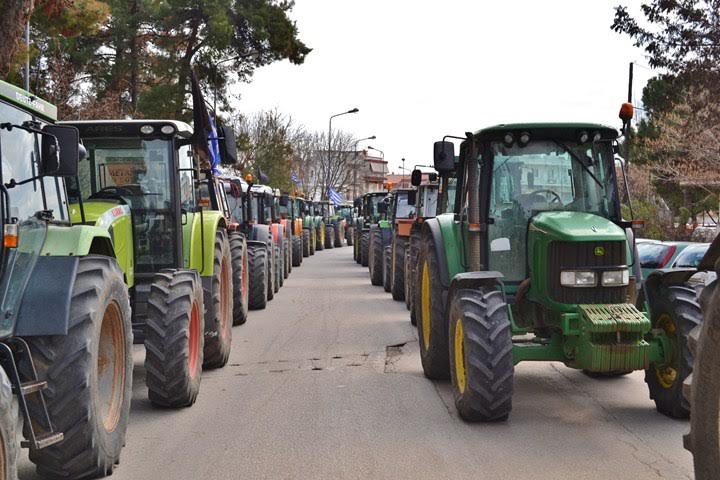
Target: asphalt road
(326,383)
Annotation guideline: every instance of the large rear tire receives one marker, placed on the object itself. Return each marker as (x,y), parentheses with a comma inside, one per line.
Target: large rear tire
(397,282)
(330,236)
(350,236)
(287,260)
(89,375)
(241,277)
(219,306)
(702,389)
(278,268)
(677,312)
(387,268)
(481,363)
(432,325)
(338,235)
(297,254)
(365,248)
(375,261)
(174,339)
(313,241)
(412,277)
(306,243)
(320,238)
(258,265)
(8,430)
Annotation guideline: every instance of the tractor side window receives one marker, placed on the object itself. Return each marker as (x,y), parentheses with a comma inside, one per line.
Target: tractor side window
(186,174)
(403,209)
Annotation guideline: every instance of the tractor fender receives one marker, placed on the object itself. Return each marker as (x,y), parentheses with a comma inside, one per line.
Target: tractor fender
(45,306)
(473,280)
(78,240)
(202,241)
(432,228)
(662,277)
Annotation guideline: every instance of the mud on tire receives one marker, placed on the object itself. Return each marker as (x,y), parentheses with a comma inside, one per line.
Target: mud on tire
(174,338)
(99,335)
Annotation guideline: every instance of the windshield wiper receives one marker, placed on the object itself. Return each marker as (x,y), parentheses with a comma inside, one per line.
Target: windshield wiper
(574,156)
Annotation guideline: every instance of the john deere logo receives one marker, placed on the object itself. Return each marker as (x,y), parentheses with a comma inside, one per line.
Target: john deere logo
(599,251)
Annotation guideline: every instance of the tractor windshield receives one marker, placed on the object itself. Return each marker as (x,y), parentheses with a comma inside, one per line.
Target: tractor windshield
(138,172)
(544,175)
(402,208)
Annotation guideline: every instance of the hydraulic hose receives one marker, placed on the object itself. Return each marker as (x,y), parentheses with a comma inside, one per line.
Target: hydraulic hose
(473,186)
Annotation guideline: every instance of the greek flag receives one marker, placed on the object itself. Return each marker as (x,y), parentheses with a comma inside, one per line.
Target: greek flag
(334,196)
(294,178)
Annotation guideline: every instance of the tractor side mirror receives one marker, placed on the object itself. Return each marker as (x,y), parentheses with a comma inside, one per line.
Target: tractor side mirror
(60,151)
(412,197)
(228,147)
(415,177)
(444,156)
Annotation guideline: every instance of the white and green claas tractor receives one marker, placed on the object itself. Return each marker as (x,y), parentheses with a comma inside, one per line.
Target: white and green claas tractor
(65,334)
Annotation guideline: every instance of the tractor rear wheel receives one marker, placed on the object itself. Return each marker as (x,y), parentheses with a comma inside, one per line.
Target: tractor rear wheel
(174,340)
(219,307)
(375,260)
(297,253)
(338,235)
(329,236)
(271,272)
(350,235)
(288,263)
(258,267)
(238,250)
(481,363)
(702,388)
(281,265)
(8,430)
(429,304)
(408,282)
(365,248)
(387,268)
(412,274)
(306,243)
(88,374)
(313,241)
(398,268)
(677,312)
(277,268)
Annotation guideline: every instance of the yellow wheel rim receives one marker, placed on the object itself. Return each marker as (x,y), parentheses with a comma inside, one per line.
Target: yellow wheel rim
(460,374)
(425,304)
(667,374)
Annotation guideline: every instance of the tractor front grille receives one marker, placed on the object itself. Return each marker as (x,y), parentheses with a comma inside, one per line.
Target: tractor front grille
(581,255)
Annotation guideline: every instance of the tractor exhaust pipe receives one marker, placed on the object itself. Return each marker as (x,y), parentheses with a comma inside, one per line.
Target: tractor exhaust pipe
(473,185)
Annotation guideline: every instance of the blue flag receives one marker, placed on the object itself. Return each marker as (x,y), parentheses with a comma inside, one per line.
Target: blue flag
(335,197)
(294,178)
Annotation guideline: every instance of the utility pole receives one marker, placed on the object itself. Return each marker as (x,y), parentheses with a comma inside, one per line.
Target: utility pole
(27,57)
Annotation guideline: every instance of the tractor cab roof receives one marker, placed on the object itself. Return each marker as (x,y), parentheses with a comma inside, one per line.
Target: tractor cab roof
(134,128)
(560,130)
(262,189)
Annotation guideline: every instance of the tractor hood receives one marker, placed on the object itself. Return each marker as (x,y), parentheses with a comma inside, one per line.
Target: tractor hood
(576,226)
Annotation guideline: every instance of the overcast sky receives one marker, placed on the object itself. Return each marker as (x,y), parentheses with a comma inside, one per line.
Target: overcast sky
(419,69)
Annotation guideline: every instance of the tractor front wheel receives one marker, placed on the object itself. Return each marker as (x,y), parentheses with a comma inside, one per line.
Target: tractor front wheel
(174,339)
(481,363)
(676,312)
(277,273)
(241,278)
(88,374)
(338,235)
(258,268)
(375,260)
(8,430)
(306,243)
(320,238)
(350,236)
(219,306)
(429,305)
(287,246)
(330,236)
(398,268)
(297,253)
(387,268)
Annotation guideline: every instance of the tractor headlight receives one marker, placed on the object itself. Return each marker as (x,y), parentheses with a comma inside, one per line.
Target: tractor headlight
(578,278)
(615,278)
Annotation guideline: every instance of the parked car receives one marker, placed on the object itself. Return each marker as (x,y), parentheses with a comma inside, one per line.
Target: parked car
(690,258)
(655,254)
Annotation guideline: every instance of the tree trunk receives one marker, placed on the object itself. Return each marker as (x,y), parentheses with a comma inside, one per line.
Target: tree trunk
(12,23)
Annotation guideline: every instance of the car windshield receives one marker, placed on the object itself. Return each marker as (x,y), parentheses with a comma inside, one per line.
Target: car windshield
(654,255)
(691,256)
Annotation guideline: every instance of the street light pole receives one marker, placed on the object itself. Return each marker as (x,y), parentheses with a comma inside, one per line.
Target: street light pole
(373,137)
(323,194)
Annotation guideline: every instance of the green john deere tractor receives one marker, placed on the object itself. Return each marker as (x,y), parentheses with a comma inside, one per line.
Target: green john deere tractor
(65,335)
(433,197)
(371,215)
(535,263)
(142,182)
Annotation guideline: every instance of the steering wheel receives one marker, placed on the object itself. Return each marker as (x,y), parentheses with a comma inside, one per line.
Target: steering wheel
(552,196)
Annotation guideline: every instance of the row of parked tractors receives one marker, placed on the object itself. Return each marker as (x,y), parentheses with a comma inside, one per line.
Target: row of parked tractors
(516,250)
(116,232)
